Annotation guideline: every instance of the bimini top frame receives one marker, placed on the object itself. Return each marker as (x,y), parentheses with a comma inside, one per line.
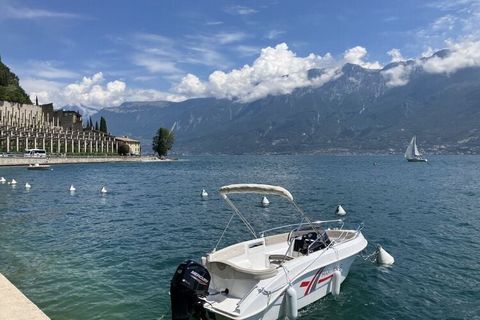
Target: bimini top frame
(255,188)
(258,189)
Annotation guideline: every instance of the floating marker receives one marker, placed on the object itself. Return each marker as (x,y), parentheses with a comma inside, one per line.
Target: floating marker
(265,202)
(291,303)
(383,257)
(336,281)
(3,180)
(27,185)
(340,211)
(103,190)
(72,188)
(13,181)
(204,194)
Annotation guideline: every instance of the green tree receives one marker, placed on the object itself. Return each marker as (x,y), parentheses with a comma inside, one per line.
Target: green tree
(103,125)
(163,141)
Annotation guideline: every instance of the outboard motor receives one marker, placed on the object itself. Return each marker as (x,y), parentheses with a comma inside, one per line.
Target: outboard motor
(189,283)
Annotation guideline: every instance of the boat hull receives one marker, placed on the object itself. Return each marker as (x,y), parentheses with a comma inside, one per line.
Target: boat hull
(38,168)
(310,287)
(417,160)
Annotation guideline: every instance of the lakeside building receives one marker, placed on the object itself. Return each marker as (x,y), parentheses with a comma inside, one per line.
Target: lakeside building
(26,126)
(133,145)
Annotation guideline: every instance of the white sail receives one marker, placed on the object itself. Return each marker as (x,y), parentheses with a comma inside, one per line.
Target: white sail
(416,153)
(409,153)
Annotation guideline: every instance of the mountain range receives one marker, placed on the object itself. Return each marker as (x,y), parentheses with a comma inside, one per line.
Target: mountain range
(356,112)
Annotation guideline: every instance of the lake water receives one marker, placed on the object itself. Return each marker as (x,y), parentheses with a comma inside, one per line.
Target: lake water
(88,256)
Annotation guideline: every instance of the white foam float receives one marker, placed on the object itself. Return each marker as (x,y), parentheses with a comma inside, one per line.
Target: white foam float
(383,257)
(27,185)
(204,194)
(265,202)
(103,190)
(3,180)
(72,188)
(340,211)
(13,181)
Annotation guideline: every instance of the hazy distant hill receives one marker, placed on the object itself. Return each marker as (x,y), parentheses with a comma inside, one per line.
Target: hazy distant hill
(10,89)
(357,112)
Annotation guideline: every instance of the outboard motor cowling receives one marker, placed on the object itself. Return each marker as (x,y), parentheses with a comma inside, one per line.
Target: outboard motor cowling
(189,283)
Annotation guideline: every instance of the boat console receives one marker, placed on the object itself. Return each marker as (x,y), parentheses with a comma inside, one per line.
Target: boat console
(306,242)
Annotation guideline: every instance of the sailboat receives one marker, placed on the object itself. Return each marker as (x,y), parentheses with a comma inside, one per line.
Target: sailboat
(412,154)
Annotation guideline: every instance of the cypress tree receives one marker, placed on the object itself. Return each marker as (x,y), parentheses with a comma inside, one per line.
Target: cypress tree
(103,125)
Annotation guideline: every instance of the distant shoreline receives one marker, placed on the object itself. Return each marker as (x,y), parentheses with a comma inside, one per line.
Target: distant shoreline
(21,161)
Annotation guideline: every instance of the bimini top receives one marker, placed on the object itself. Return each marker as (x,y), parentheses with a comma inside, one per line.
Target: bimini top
(256,188)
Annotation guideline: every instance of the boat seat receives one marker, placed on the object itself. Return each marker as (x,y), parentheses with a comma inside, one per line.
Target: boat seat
(229,270)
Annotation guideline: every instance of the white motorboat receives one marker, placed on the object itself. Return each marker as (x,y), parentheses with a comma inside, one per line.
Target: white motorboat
(38,166)
(271,276)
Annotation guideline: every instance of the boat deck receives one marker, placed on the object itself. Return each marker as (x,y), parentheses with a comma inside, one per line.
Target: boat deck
(14,305)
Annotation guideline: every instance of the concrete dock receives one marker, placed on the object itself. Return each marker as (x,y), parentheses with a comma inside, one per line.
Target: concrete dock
(21,161)
(14,305)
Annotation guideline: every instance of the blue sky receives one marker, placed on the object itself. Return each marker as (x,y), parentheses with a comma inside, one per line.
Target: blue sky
(105,52)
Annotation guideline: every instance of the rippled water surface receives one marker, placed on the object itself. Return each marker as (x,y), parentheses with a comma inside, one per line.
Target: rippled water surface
(88,256)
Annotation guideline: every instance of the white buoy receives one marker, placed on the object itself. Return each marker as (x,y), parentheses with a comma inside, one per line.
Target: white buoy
(204,194)
(103,190)
(383,257)
(72,188)
(340,211)
(13,181)
(27,185)
(291,303)
(265,202)
(336,281)
(3,180)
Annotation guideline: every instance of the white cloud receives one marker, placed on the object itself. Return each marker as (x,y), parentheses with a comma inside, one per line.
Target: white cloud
(226,38)
(17,12)
(48,70)
(276,71)
(395,55)
(398,75)
(241,10)
(156,64)
(274,34)
(247,50)
(213,23)
(93,91)
(356,55)
(191,85)
(462,55)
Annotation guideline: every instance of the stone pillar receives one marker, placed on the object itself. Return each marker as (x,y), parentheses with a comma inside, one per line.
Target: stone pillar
(51,144)
(73,144)
(59,144)
(17,145)
(91,149)
(8,143)
(84,145)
